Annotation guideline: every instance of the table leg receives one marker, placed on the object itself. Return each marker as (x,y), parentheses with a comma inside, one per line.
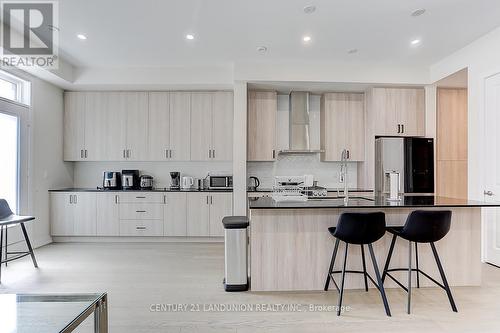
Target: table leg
(101,316)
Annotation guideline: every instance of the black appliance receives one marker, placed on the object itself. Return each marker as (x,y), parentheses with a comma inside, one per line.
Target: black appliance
(130,179)
(111,180)
(175,182)
(253,183)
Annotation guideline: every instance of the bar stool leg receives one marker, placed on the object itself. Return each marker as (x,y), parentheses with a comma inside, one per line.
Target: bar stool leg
(379,281)
(6,244)
(443,277)
(27,239)
(416,262)
(388,260)
(343,280)
(332,264)
(1,249)
(364,266)
(409,279)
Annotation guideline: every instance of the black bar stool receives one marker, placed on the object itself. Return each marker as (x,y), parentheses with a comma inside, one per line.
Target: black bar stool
(421,227)
(361,229)
(7,219)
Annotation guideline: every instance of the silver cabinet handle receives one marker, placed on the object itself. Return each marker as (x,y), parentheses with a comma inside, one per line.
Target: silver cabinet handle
(116,199)
(70,198)
(140,197)
(140,211)
(211,200)
(81,153)
(170,155)
(488,193)
(75,200)
(166,153)
(165,199)
(140,228)
(213,154)
(210,153)
(124,154)
(128,153)
(86,151)
(207,199)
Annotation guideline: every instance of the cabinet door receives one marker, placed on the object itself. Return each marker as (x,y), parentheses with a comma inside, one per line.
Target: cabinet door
(116,127)
(85,214)
(159,126)
(175,216)
(137,125)
(221,205)
(108,218)
(333,114)
(411,111)
(384,106)
(201,126)
(262,113)
(61,214)
(180,125)
(74,126)
(222,124)
(355,127)
(95,126)
(197,214)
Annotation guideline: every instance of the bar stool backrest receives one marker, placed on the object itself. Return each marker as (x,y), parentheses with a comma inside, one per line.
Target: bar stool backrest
(427,226)
(360,228)
(4,209)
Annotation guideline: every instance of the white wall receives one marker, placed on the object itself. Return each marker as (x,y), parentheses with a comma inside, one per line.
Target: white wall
(47,168)
(482,57)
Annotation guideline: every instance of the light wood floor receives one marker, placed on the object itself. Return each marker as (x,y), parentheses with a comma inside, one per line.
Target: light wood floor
(138,275)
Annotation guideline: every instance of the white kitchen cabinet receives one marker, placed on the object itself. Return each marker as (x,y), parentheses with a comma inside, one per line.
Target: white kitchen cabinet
(73,213)
(136,107)
(222,126)
(116,127)
(221,205)
(141,211)
(141,228)
(342,126)
(261,134)
(175,216)
(108,214)
(180,125)
(95,126)
(159,126)
(74,129)
(198,214)
(201,126)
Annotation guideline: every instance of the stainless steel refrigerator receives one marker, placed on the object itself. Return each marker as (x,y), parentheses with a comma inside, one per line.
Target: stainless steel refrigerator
(412,158)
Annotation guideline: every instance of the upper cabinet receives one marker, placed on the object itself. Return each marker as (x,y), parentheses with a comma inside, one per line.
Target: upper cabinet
(397,111)
(342,126)
(262,114)
(141,126)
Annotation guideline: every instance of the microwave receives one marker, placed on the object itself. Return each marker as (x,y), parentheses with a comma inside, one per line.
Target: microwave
(220,182)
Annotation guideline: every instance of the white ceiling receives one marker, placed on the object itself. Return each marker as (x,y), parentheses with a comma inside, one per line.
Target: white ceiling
(151,33)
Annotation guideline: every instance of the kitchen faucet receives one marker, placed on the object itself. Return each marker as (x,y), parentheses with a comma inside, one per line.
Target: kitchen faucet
(343,176)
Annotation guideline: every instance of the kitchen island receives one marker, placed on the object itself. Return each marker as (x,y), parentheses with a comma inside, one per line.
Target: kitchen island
(290,246)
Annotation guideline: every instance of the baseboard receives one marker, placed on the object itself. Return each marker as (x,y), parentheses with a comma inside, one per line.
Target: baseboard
(135,239)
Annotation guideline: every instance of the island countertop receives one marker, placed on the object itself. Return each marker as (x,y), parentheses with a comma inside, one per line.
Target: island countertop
(369,202)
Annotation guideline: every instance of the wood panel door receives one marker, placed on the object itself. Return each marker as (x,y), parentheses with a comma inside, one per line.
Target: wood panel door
(95,126)
(175,216)
(116,127)
(333,114)
(85,211)
(137,126)
(198,214)
(108,214)
(180,126)
(62,216)
(410,105)
(452,124)
(74,126)
(262,114)
(384,108)
(201,126)
(222,126)
(221,205)
(159,126)
(355,127)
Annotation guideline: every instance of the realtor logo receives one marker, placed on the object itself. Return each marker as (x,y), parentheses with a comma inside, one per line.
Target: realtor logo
(29,33)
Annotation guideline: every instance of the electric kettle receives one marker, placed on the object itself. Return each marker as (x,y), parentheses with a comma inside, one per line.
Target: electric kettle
(253,183)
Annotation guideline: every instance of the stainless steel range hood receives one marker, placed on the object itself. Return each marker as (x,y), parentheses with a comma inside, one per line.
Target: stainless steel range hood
(299,135)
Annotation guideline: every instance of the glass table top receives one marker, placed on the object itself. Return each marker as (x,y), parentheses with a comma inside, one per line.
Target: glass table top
(42,313)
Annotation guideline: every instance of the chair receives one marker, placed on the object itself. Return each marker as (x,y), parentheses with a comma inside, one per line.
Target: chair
(8,219)
(360,229)
(421,227)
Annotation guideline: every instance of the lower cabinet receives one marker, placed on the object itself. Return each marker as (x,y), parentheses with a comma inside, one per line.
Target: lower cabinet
(141,228)
(108,214)
(205,212)
(73,213)
(175,216)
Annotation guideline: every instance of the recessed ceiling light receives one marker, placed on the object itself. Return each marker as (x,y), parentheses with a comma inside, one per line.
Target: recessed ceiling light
(306,39)
(190,36)
(262,49)
(352,51)
(416,42)
(309,9)
(418,12)
(81,36)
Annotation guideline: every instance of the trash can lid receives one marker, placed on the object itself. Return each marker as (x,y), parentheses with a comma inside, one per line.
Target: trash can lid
(235,222)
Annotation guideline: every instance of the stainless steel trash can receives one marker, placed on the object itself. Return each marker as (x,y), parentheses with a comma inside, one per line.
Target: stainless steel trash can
(235,253)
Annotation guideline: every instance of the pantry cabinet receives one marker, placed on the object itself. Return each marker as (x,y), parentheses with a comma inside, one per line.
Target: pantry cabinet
(205,212)
(342,126)
(73,214)
(261,132)
(397,111)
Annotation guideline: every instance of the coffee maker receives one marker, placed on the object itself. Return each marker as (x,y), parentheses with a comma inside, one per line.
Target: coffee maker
(175,182)
(130,179)
(111,180)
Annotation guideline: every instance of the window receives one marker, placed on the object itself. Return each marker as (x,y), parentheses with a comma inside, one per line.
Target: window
(14,88)
(9,161)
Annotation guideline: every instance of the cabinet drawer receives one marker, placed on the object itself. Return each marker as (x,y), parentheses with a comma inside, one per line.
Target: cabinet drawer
(141,228)
(141,211)
(141,197)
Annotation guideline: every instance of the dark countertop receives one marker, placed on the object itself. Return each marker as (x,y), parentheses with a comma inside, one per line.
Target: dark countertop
(368,202)
(267,189)
(125,191)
